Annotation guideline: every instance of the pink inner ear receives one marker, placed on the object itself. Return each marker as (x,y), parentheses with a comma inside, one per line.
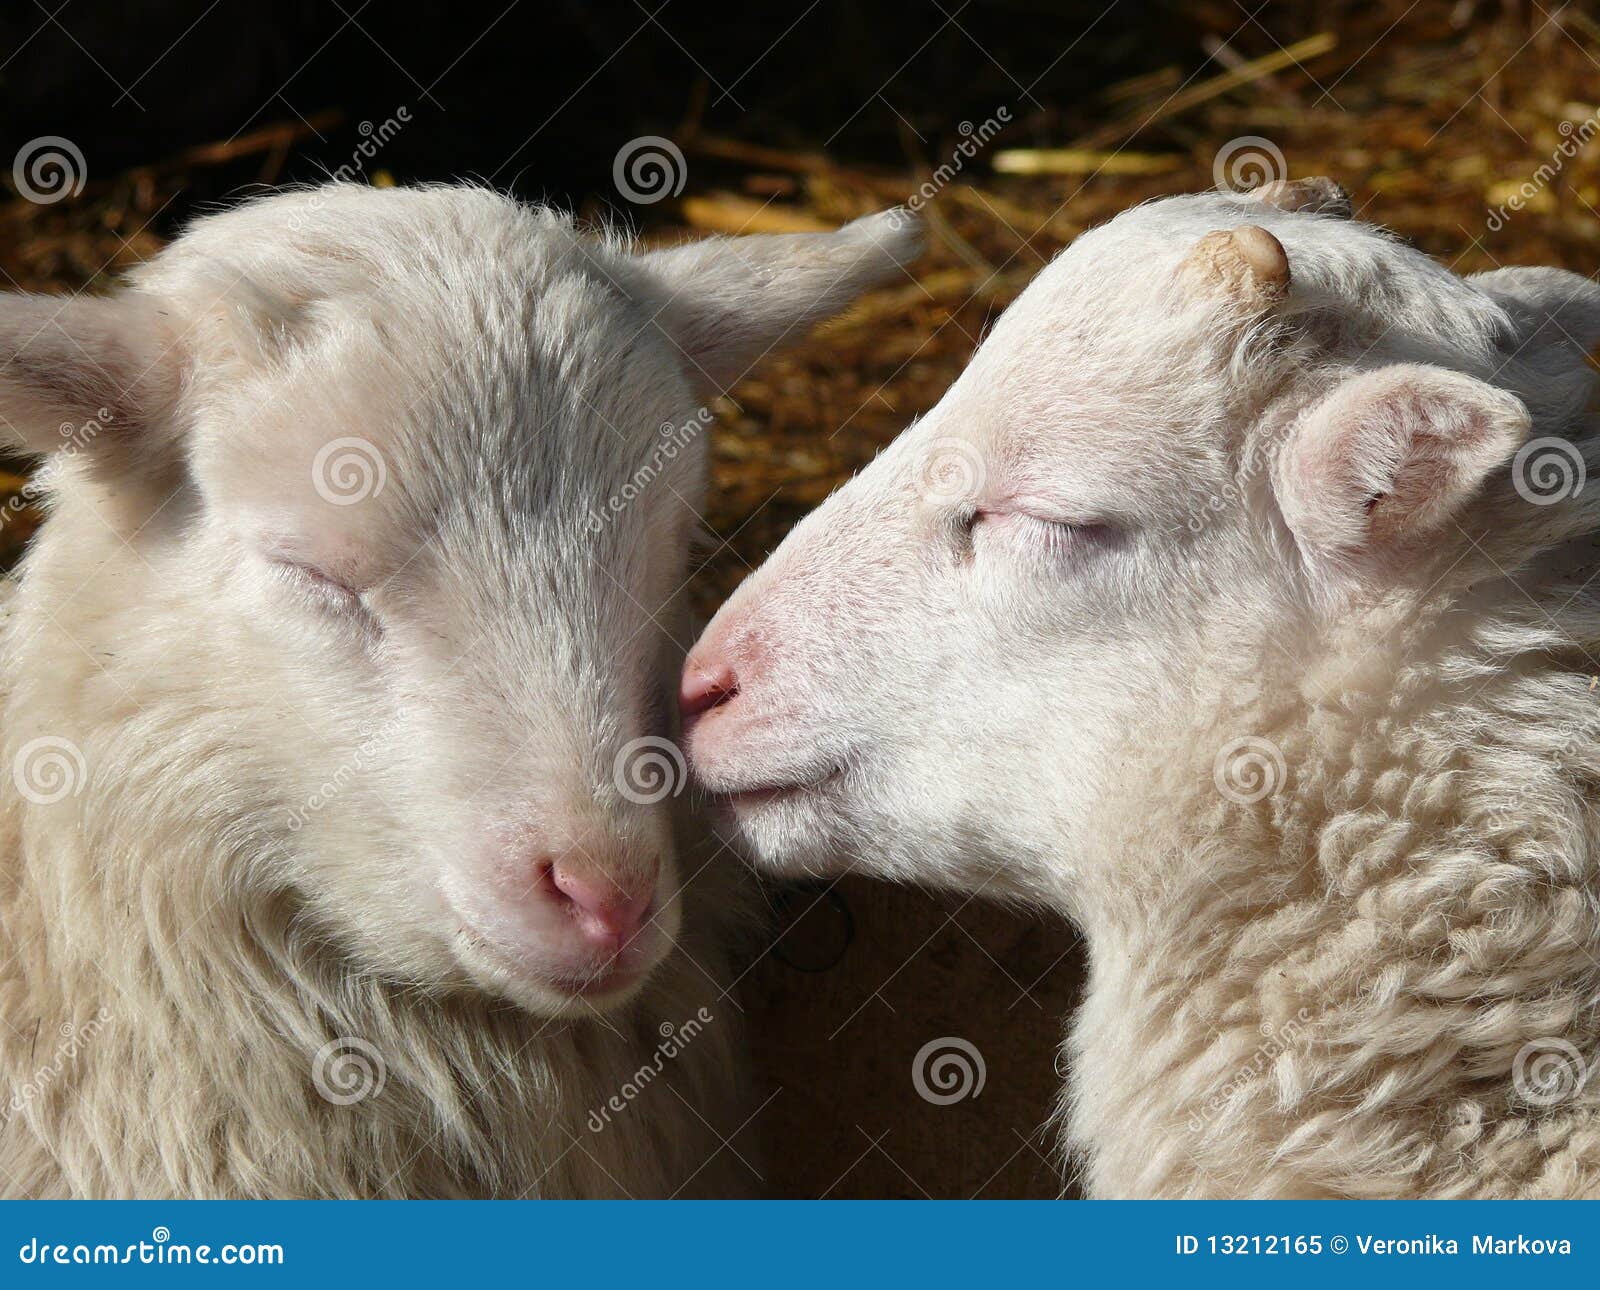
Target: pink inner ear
(1390,456)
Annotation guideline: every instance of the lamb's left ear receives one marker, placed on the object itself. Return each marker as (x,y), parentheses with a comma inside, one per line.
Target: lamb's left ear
(107,363)
(1389,458)
(725,302)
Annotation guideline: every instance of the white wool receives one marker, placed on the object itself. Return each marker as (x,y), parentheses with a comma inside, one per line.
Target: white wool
(1217,617)
(289,812)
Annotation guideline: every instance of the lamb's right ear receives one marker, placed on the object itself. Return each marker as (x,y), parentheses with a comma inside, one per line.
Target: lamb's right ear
(726,302)
(1384,462)
(102,368)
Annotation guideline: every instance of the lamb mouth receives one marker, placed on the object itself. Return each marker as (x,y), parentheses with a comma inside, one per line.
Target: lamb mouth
(766,794)
(616,979)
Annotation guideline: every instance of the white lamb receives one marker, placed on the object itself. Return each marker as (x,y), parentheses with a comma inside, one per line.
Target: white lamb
(339,820)
(1220,607)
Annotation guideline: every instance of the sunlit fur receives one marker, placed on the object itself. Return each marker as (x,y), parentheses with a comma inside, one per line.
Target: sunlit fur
(1322,992)
(201,915)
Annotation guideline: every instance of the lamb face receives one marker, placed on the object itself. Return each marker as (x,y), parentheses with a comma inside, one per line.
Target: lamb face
(1214,434)
(397,489)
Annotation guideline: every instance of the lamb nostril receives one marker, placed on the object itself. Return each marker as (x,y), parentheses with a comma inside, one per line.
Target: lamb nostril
(602,908)
(706,687)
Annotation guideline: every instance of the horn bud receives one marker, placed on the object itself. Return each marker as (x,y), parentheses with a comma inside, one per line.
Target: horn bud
(1245,263)
(1318,196)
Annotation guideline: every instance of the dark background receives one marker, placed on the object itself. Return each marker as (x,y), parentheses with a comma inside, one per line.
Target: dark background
(1434,114)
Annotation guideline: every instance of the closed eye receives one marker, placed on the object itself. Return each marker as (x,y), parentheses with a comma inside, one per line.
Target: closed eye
(1026,524)
(328,591)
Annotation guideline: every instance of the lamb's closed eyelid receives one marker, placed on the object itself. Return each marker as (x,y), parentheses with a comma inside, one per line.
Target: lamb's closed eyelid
(1033,514)
(335,596)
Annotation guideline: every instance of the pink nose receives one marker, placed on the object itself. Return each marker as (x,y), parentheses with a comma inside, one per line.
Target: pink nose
(705,686)
(607,911)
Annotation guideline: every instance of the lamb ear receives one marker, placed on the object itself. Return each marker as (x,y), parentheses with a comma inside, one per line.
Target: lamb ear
(84,369)
(725,302)
(1388,459)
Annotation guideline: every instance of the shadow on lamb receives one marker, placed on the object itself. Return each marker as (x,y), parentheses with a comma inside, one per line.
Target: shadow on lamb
(342,848)
(1239,602)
